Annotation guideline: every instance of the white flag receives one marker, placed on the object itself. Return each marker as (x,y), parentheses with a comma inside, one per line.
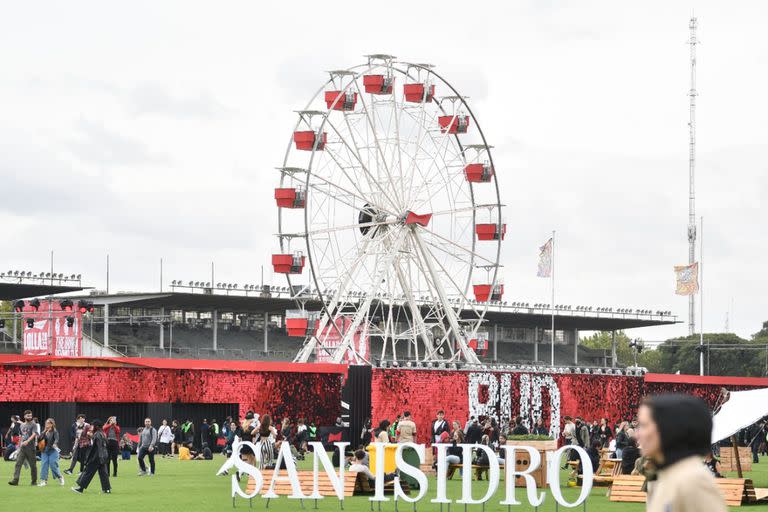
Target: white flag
(545,260)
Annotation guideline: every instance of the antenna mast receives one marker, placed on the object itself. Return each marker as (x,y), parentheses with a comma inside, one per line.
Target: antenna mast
(691,171)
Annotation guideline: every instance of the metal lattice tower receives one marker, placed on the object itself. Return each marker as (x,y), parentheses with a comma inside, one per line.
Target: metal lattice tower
(691,171)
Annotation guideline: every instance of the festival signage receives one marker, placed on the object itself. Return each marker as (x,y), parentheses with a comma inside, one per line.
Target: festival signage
(336,477)
(50,332)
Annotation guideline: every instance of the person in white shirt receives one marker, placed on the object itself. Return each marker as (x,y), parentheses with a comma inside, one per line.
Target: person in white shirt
(166,438)
(569,433)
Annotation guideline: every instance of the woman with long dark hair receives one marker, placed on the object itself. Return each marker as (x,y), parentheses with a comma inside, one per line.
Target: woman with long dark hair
(266,440)
(382,433)
(675,433)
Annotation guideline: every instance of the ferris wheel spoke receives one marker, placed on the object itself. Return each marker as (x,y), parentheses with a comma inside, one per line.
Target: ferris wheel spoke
(362,195)
(452,318)
(454,244)
(379,150)
(370,177)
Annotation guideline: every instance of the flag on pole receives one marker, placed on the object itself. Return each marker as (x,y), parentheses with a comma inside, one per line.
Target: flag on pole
(545,260)
(687,277)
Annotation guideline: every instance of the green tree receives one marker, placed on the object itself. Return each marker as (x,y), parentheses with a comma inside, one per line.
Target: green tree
(745,358)
(762,333)
(624,353)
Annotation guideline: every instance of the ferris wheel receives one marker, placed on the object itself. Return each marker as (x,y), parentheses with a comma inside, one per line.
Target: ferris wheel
(390,215)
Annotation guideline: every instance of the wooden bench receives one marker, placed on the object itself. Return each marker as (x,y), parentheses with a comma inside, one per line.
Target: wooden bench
(728,458)
(477,471)
(628,488)
(607,471)
(363,486)
(736,491)
(306,482)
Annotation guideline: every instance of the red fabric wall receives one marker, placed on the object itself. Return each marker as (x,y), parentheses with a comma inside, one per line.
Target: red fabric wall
(423,392)
(310,395)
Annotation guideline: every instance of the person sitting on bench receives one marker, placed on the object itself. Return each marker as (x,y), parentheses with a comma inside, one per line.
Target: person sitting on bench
(358,467)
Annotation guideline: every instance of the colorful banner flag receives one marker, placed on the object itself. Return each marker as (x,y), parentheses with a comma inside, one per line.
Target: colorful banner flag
(687,277)
(545,260)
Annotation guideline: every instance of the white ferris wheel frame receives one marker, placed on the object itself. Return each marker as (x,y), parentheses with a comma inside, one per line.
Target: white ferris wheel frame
(441,322)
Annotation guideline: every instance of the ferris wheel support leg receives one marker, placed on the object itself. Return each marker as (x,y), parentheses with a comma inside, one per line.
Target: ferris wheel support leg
(384,265)
(469,356)
(311,345)
(418,321)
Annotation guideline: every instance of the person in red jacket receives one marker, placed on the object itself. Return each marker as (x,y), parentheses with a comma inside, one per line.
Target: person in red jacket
(112,433)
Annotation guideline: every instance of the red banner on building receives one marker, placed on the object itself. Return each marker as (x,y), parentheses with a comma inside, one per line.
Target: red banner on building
(50,333)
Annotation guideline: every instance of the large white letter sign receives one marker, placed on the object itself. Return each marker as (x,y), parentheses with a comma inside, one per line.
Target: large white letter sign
(511,472)
(442,474)
(243,467)
(466,478)
(379,473)
(321,457)
(553,476)
(290,467)
(476,408)
(413,472)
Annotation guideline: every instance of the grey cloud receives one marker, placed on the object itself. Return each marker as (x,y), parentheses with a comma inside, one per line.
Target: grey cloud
(98,144)
(154,99)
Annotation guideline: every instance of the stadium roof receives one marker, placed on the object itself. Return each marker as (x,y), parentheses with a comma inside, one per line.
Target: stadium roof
(507,316)
(14,291)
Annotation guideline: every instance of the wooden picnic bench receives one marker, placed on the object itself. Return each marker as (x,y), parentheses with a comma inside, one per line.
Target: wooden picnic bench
(306,482)
(736,491)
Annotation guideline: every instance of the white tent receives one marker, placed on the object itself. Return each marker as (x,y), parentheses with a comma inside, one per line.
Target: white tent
(742,409)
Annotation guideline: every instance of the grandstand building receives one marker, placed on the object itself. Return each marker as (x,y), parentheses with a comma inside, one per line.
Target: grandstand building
(251,325)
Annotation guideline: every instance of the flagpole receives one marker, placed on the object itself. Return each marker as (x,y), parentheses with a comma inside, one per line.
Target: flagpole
(552,336)
(701,298)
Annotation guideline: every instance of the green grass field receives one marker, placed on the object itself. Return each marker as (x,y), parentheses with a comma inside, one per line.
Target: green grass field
(192,486)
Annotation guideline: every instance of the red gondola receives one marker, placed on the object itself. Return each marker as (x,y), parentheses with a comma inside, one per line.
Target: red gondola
(290,197)
(346,100)
(453,124)
(288,263)
(490,231)
(486,292)
(417,93)
(305,140)
(478,173)
(302,324)
(378,84)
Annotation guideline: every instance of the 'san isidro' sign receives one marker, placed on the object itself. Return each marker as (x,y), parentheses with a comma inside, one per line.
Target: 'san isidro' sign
(534,497)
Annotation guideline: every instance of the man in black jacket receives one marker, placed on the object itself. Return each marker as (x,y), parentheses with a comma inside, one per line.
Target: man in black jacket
(474,433)
(95,461)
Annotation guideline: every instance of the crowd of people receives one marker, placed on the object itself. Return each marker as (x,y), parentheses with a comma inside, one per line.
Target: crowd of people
(98,446)
(602,438)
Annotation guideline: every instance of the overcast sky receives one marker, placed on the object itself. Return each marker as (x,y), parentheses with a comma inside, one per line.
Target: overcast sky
(152,129)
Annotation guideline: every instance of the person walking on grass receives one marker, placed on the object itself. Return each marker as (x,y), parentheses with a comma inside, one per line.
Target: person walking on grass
(49,454)
(96,461)
(82,443)
(27,443)
(112,433)
(147,444)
